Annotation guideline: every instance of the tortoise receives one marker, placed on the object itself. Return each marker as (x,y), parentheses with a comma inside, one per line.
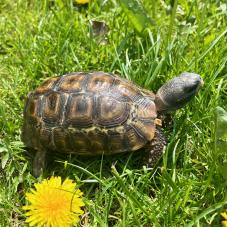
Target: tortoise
(99,113)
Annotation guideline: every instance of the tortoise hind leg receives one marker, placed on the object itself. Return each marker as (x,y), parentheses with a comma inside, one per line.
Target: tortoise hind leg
(39,163)
(154,149)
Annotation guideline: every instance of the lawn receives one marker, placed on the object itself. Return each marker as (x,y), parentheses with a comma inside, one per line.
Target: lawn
(41,39)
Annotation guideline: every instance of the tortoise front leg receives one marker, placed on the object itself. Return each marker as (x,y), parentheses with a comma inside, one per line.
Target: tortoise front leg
(39,163)
(154,149)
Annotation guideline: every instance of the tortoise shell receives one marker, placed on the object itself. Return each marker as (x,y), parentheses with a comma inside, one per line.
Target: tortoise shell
(89,114)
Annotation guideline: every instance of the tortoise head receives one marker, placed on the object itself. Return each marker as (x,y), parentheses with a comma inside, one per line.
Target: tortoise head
(177,92)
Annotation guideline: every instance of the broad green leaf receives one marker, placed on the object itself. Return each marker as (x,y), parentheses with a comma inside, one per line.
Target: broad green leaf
(4,160)
(221,138)
(60,3)
(136,14)
(221,129)
(224,170)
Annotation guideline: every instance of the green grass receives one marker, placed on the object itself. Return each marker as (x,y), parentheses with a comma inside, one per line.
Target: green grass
(40,39)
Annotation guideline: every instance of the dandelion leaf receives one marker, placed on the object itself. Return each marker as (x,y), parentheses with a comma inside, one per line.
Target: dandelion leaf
(136,14)
(221,138)
(221,129)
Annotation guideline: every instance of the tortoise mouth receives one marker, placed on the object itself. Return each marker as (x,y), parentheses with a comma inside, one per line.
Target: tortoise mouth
(201,84)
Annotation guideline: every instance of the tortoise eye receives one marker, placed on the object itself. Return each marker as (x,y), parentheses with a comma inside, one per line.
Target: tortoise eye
(191,89)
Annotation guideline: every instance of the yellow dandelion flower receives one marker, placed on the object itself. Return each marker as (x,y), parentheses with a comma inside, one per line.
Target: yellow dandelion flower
(224,215)
(54,203)
(82,1)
